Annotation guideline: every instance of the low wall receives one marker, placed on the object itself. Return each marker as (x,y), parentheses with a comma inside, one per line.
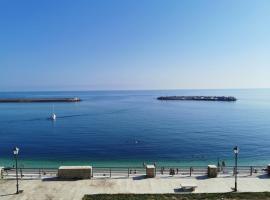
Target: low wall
(75,172)
(150,171)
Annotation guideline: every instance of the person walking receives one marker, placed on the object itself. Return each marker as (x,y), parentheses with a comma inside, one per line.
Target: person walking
(223,166)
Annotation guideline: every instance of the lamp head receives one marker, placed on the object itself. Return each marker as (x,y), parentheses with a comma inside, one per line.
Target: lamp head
(16,151)
(236,150)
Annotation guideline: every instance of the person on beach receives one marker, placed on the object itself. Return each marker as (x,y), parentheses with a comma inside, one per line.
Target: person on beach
(223,166)
(162,170)
(218,166)
(172,172)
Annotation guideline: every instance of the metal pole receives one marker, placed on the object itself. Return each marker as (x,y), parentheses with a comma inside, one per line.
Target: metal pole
(235,183)
(17,185)
(21,173)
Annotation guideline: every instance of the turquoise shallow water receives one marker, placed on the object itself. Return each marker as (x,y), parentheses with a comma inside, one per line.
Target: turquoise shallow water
(131,127)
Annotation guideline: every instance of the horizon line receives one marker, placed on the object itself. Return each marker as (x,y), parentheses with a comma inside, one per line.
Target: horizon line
(108,90)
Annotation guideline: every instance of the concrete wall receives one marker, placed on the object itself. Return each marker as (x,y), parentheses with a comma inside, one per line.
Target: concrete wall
(268,169)
(75,172)
(150,171)
(212,171)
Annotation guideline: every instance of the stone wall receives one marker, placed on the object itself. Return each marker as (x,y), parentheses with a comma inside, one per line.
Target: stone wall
(75,172)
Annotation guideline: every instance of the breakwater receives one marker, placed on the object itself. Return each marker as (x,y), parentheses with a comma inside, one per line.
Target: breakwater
(198,98)
(38,100)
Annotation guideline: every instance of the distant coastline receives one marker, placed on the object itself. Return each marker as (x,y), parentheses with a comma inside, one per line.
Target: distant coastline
(198,98)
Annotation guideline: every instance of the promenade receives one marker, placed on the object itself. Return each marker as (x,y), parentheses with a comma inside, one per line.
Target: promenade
(50,189)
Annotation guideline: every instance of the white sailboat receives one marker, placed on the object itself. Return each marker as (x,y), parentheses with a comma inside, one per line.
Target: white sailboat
(53,116)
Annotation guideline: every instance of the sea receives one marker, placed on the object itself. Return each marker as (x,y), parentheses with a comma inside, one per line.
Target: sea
(129,128)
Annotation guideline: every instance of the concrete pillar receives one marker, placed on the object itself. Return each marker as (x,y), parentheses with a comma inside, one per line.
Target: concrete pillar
(268,169)
(212,171)
(150,171)
(1,172)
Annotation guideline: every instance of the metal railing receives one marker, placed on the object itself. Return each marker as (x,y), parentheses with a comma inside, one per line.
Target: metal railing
(131,172)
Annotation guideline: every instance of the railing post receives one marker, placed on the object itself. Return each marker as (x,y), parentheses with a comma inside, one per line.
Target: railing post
(21,173)
(251,170)
(1,172)
(92,175)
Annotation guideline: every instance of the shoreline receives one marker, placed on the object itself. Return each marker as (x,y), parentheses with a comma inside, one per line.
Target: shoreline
(127,163)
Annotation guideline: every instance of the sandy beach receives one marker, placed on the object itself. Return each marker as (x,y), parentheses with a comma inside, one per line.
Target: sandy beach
(69,190)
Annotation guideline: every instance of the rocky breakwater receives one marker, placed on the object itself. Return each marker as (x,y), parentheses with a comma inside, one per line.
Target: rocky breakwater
(198,98)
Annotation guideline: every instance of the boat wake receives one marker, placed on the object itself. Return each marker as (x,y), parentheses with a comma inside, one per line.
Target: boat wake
(119,111)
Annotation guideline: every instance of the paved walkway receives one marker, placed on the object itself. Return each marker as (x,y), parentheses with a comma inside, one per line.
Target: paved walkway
(69,190)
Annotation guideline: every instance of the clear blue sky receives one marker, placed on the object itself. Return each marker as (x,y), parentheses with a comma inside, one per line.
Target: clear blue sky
(134,44)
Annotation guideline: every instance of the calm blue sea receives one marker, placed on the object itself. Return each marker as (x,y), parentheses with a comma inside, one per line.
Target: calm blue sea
(131,127)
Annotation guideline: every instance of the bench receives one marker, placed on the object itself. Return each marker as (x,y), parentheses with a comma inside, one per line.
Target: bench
(190,187)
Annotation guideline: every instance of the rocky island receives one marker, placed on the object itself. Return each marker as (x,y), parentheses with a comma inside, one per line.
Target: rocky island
(198,98)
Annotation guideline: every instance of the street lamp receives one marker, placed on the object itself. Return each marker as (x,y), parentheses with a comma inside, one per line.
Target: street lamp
(16,152)
(236,151)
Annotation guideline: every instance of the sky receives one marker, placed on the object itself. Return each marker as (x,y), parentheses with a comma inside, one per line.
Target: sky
(134,44)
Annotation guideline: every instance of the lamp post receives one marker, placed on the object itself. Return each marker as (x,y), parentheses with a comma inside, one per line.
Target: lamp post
(16,152)
(236,151)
